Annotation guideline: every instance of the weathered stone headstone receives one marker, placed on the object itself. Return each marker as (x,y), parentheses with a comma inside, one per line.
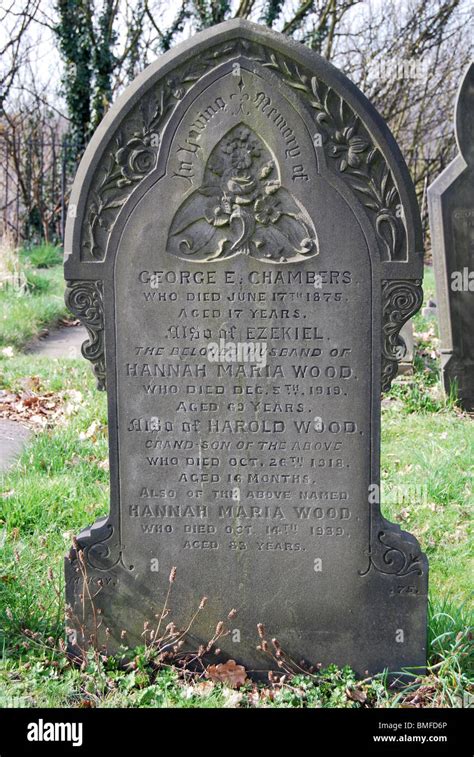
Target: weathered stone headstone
(430,309)
(451,214)
(244,246)
(406,362)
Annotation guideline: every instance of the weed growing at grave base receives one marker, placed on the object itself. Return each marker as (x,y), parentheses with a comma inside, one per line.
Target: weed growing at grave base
(38,673)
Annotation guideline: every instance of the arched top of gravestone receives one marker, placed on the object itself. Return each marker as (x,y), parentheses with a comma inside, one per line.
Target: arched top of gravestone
(354,142)
(464,119)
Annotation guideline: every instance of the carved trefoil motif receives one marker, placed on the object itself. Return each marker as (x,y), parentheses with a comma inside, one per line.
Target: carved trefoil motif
(242,208)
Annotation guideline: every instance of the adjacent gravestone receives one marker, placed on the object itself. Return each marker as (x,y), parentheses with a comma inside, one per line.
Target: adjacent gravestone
(406,362)
(429,311)
(452,234)
(244,247)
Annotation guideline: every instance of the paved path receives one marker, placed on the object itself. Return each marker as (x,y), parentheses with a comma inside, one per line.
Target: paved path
(13,436)
(65,343)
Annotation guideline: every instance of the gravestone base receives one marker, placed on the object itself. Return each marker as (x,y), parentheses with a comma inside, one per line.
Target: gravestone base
(458,375)
(380,617)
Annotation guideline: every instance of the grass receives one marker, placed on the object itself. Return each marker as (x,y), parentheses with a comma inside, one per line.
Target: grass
(42,256)
(427,487)
(427,470)
(32,299)
(60,484)
(54,683)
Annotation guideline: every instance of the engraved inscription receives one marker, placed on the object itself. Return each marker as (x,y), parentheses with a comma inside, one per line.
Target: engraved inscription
(234,454)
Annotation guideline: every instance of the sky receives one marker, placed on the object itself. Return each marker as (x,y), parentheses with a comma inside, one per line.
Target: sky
(45,66)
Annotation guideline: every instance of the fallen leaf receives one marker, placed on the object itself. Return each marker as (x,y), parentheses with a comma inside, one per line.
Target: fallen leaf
(404,514)
(91,431)
(33,383)
(232,698)
(39,409)
(356,694)
(229,672)
(202,689)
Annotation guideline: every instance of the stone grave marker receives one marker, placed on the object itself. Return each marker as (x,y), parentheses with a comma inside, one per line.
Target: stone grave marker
(451,211)
(244,247)
(406,362)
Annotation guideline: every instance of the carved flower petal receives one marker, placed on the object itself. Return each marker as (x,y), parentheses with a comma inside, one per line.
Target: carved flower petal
(356,144)
(266,169)
(272,186)
(121,156)
(243,134)
(135,142)
(353,160)
(221,220)
(241,185)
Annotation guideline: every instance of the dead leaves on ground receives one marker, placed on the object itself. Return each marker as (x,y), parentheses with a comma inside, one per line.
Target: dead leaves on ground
(426,695)
(67,322)
(92,432)
(204,689)
(356,694)
(228,673)
(36,408)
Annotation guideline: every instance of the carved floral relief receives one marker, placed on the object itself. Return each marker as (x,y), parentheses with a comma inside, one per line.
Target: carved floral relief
(242,208)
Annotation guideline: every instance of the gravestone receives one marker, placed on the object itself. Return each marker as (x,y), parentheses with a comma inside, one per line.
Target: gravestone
(244,246)
(429,311)
(406,362)
(451,213)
